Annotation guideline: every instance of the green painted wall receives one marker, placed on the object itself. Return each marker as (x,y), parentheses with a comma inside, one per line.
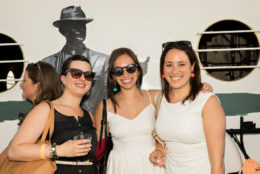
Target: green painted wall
(233,104)
(240,103)
(11,109)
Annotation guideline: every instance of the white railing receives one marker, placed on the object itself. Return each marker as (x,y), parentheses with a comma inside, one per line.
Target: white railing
(227,49)
(10,44)
(13,61)
(231,31)
(231,67)
(5,80)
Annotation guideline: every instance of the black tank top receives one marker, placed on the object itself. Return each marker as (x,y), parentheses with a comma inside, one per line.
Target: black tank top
(66,127)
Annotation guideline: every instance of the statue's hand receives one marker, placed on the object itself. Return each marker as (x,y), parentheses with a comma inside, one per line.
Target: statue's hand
(144,65)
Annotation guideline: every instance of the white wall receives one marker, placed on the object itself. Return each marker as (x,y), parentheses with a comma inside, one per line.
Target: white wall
(142,25)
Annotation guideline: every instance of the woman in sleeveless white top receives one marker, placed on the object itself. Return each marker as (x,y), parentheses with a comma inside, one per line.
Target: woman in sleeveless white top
(130,116)
(180,126)
(132,143)
(191,123)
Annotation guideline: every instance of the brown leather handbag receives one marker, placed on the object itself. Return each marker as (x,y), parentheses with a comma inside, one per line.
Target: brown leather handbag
(31,167)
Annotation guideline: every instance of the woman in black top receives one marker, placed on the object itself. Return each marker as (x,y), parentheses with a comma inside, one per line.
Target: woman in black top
(70,120)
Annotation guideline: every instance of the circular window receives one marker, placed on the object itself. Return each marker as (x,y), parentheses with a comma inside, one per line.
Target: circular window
(11,66)
(228,50)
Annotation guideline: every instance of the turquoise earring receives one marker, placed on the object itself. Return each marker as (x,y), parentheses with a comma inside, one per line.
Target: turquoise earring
(137,85)
(115,89)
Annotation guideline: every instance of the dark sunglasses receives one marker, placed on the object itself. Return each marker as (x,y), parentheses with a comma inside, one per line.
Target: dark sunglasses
(118,71)
(77,73)
(184,43)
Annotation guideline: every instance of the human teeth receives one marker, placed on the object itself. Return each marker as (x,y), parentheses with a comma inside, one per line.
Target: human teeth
(175,78)
(80,85)
(126,81)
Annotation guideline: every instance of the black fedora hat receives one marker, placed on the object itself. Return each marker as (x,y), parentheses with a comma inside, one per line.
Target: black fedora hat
(72,13)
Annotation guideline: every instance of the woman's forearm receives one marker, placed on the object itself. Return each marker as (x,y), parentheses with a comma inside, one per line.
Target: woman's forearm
(218,168)
(28,152)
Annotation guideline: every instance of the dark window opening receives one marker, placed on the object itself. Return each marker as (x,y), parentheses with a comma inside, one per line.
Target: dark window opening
(9,70)
(229,58)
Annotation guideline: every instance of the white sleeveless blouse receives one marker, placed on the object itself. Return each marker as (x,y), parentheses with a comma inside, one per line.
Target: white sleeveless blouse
(180,126)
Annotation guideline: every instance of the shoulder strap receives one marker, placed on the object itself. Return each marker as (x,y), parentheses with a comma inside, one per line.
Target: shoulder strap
(149,96)
(49,125)
(158,100)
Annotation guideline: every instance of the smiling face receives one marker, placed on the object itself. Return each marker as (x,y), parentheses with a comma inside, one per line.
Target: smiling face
(177,69)
(29,88)
(127,80)
(77,86)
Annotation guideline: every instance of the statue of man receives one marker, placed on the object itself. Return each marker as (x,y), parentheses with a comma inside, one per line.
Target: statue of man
(72,25)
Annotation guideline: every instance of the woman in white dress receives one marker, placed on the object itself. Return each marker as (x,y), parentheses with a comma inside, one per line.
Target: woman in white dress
(130,116)
(191,123)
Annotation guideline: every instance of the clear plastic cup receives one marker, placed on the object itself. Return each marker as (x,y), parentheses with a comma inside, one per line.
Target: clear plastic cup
(83,137)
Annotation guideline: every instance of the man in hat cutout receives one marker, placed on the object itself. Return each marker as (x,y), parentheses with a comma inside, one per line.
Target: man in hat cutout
(72,25)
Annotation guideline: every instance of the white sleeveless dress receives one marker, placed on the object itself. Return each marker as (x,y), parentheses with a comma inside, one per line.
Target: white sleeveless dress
(180,126)
(132,143)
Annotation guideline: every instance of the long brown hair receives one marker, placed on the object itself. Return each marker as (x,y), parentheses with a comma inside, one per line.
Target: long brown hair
(111,82)
(46,75)
(195,82)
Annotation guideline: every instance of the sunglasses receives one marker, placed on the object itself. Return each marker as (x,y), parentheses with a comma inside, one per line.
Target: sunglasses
(184,43)
(77,73)
(118,71)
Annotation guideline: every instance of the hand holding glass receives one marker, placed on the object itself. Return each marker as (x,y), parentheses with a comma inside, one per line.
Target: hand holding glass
(83,137)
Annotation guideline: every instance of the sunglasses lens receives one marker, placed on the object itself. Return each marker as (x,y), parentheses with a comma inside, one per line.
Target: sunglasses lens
(131,69)
(76,73)
(118,71)
(179,43)
(89,75)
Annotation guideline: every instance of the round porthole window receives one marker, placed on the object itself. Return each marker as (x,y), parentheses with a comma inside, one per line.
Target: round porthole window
(11,62)
(228,50)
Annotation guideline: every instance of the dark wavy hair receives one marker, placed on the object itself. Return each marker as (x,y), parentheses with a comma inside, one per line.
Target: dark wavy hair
(195,82)
(111,82)
(46,75)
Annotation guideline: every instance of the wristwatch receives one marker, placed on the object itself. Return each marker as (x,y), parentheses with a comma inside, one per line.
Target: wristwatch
(53,153)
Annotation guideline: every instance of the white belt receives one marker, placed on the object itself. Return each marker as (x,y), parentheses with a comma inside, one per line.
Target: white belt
(74,162)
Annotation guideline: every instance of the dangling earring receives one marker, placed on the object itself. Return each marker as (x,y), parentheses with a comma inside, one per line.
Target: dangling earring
(137,84)
(62,87)
(115,89)
(192,75)
(163,76)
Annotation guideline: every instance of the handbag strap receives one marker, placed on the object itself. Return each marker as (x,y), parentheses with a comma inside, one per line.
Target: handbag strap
(103,122)
(49,125)
(157,108)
